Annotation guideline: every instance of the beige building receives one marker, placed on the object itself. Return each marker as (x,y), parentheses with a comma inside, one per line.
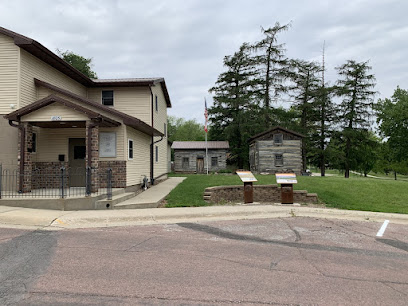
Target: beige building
(56,117)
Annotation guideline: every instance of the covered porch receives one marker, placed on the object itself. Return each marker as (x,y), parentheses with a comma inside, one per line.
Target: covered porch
(58,151)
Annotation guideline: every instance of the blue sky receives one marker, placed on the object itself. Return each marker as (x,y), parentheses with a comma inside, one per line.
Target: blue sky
(185,41)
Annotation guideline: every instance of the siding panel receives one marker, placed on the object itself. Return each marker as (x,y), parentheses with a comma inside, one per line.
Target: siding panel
(9,57)
(134,101)
(140,165)
(32,67)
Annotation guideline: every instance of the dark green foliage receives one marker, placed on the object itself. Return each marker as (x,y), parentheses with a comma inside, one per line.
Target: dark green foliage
(392,117)
(271,65)
(304,89)
(79,62)
(355,90)
(235,113)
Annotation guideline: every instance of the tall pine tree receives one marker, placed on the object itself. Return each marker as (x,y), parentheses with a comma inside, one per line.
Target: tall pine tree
(304,89)
(271,64)
(234,114)
(355,88)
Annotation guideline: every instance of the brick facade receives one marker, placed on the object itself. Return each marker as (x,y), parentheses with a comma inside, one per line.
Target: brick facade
(25,177)
(48,175)
(94,154)
(118,173)
(262,194)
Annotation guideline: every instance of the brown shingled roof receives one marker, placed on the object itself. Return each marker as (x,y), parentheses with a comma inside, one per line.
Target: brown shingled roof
(187,145)
(35,48)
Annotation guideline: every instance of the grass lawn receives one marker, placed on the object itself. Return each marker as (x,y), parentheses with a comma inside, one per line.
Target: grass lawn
(355,193)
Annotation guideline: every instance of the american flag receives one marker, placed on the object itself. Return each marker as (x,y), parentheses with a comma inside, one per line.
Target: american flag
(206,116)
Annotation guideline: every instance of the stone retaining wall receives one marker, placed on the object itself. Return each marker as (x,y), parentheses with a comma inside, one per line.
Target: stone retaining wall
(262,194)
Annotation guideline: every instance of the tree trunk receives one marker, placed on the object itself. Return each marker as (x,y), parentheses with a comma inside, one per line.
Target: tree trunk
(395,175)
(347,165)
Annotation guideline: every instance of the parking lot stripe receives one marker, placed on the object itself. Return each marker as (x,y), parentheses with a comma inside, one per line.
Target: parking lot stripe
(382,229)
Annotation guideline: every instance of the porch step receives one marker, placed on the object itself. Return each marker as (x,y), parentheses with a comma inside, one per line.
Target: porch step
(117,197)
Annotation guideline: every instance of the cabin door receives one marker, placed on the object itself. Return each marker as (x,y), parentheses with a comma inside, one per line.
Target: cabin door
(77,155)
(200,165)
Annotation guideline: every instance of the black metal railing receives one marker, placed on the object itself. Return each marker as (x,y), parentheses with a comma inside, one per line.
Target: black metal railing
(55,183)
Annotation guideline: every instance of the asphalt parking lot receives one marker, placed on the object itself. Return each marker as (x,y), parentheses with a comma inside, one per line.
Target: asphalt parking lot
(282,261)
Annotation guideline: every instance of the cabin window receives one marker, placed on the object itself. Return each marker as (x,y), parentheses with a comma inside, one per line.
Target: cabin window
(214,161)
(130,149)
(185,163)
(107,97)
(278,138)
(34,143)
(157,154)
(278,160)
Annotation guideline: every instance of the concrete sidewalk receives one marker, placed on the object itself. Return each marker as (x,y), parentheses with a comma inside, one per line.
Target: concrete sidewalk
(54,220)
(152,196)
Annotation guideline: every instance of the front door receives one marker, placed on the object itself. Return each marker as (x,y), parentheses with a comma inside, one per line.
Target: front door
(77,160)
(200,165)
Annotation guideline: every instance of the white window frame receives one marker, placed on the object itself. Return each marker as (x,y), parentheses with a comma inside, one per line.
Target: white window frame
(133,149)
(113,98)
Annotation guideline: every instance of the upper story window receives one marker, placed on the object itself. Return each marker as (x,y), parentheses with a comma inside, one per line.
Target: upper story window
(278,138)
(157,104)
(107,97)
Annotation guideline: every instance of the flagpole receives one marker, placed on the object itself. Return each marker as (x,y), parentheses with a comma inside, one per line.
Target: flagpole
(206,130)
(206,151)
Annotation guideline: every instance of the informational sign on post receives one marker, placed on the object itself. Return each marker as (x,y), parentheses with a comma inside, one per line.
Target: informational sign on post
(286,178)
(246,176)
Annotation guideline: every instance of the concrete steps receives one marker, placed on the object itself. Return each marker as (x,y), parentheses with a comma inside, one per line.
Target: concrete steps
(117,198)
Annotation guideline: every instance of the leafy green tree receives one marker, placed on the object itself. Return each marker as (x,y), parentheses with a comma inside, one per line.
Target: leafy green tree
(180,129)
(392,117)
(235,113)
(79,62)
(271,65)
(355,88)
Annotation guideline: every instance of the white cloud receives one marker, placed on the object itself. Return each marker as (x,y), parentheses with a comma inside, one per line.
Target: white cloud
(185,41)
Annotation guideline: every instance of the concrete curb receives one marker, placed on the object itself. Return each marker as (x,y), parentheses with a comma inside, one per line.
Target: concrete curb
(55,220)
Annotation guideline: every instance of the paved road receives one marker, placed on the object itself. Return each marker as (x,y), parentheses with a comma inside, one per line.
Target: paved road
(267,261)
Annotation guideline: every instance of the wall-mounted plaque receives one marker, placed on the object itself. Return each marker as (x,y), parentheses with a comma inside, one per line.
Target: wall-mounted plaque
(107,144)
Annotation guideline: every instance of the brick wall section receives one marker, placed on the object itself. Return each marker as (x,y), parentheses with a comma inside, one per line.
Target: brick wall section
(93,155)
(48,174)
(118,173)
(27,184)
(262,194)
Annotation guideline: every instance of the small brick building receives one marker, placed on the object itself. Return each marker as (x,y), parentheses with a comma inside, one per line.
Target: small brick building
(189,156)
(276,150)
